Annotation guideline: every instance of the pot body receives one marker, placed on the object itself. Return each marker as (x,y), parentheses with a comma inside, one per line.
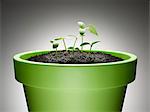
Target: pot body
(75,87)
(75,100)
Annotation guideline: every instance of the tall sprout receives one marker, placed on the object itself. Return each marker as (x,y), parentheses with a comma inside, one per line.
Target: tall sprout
(82,30)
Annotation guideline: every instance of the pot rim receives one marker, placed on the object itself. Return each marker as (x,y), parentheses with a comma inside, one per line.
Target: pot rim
(132,57)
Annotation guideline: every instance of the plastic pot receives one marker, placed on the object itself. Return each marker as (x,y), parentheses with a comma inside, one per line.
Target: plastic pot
(52,87)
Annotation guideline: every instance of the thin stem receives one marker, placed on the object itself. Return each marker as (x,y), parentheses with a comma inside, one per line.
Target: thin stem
(82,42)
(65,44)
(74,43)
(90,47)
(56,51)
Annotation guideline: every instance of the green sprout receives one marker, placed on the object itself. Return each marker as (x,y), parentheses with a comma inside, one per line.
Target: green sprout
(73,48)
(82,30)
(63,39)
(91,45)
(87,43)
(55,45)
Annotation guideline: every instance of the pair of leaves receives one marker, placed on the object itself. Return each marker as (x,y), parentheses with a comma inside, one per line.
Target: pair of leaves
(55,45)
(87,43)
(94,43)
(59,38)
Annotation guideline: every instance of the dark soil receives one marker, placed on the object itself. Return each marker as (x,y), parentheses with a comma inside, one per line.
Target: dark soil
(76,57)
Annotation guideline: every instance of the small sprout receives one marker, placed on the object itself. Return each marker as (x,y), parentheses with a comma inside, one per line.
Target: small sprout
(74,41)
(55,45)
(93,44)
(92,29)
(72,48)
(81,24)
(63,39)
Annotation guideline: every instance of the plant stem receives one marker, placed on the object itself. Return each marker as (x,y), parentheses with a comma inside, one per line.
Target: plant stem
(90,47)
(74,43)
(56,51)
(82,42)
(64,44)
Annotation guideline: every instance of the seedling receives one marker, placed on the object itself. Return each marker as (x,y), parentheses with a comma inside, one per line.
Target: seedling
(63,39)
(82,29)
(91,45)
(55,45)
(73,48)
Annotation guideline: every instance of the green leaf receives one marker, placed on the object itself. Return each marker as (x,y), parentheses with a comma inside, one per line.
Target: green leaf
(55,45)
(70,48)
(59,38)
(94,43)
(85,43)
(77,48)
(92,29)
(51,41)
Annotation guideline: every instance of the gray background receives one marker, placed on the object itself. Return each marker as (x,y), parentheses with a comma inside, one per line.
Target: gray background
(30,24)
(0,58)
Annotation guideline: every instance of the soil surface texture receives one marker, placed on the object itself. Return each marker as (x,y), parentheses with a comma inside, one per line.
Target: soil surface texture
(76,57)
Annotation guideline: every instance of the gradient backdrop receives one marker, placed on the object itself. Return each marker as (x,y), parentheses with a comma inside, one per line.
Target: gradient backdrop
(0,56)
(30,24)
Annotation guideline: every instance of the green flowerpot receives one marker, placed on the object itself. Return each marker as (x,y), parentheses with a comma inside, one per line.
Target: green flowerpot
(52,87)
